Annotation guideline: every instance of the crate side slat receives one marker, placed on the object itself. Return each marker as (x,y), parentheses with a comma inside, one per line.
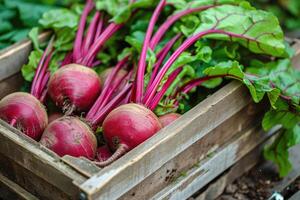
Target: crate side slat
(30,181)
(37,159)
(201,175)
(16,189)
(113,181)
(217,187)
(196,152)
(296,196)
(13,57)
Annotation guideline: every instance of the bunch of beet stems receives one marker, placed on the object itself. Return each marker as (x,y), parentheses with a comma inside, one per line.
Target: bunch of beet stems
(144,102)
(86,48)
(26,111)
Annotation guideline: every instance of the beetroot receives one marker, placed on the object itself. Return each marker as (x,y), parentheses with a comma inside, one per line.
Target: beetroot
(25,112)
(168,118)
(103,153)
(128,126)
(74,88)
(60,137)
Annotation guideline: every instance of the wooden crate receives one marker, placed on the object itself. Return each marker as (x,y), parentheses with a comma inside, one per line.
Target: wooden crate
(178,161)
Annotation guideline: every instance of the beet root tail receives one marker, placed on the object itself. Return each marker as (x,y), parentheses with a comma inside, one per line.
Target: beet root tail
(122,149)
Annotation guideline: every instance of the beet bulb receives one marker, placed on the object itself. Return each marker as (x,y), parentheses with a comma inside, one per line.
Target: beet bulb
(24,112)
(103,153)
(126,127)
(168,118)
(74,88)
(70,136)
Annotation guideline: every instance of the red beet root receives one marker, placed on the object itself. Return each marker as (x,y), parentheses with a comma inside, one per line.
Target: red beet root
(70,136)
(24,112)
(128,126)
(168,118)
(103,153)
(74,88)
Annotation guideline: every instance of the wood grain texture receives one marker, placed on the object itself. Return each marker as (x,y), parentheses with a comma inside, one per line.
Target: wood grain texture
(81,165)
(30,181)
(210,168)
(13,57)
(295,196)
(115,180)
(217,187)
(10,85)
(19,192)
(37,159)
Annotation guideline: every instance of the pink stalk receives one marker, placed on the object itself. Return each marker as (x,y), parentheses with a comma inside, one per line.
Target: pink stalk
(161,56)
(79,36)
(43,79)
(99,117)
(165,87)
(68,59)
(170,21)
(197,82)
(99,27)
(91,33)
(99,42)
(109,80)
(97,62)
(114,89)
(44,91)
(41,70)
(142,61)
(186,44)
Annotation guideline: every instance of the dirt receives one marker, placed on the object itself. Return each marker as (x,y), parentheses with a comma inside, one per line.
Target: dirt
(257,184)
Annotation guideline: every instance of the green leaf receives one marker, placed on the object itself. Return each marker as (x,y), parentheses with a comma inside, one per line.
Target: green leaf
(282,115)
(34,36)
(28,70)
(64,39)
(121,10)
(257,30)
(59,18)
(278,151)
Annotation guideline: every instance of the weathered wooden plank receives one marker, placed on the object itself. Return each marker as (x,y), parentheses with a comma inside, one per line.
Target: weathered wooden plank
(29,181)
(207,170)
(113,181)
(81,165)
(13,57)
(217,187)
(37,159)
(11,84)
(295,196)
(19,192)
(197,151)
